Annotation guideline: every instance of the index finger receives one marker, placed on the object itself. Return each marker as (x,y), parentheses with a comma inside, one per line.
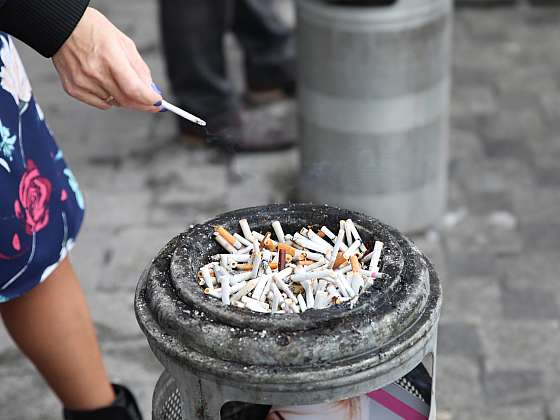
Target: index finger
(134,92)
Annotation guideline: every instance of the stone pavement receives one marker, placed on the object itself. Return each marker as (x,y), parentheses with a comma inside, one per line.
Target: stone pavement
(497,251)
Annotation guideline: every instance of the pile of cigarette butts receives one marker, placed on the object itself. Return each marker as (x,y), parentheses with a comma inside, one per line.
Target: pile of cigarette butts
(292,274)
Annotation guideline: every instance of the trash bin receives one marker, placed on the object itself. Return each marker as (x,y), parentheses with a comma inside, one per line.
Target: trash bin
(373,89)
(215,354)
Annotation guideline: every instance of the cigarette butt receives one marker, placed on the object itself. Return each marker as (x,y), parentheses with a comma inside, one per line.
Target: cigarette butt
(289,249)
(339,260)
(321,234)
(281,259)
(246,229)
(223,232)
(355,264)
(273,265)
(224,243)
(306,262)
(244,267)
(278,231)
(269,244)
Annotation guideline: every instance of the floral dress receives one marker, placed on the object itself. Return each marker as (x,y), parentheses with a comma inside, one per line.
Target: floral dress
(41,206)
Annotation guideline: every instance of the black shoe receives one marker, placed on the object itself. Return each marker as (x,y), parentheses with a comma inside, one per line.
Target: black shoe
(123,408)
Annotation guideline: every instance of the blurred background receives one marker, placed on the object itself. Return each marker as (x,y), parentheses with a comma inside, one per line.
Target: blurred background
(496,246)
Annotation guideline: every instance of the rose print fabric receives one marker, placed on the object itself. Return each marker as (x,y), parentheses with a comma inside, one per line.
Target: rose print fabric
(41,206)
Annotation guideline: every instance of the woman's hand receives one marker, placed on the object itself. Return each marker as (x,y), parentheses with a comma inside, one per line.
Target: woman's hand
(99,65)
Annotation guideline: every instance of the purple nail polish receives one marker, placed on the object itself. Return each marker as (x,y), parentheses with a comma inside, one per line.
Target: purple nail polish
(158,103)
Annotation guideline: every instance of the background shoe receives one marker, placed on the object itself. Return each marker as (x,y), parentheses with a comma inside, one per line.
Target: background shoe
(123,408)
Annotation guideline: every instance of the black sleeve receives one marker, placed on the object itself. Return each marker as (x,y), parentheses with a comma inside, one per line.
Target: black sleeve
(44,25)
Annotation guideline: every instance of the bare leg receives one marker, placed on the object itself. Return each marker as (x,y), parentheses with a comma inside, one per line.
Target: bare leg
(51,324)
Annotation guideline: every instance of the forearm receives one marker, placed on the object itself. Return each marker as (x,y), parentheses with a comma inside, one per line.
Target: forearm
(42,24)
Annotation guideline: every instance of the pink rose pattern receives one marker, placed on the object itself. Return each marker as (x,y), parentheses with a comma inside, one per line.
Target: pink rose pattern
(34,196)
(41,206)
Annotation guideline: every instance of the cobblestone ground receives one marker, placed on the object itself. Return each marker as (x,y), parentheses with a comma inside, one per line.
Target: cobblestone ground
(497,250)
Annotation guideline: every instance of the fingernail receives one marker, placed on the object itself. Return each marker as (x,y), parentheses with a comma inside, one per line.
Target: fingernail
(156,88)
(162,109)
(158,103)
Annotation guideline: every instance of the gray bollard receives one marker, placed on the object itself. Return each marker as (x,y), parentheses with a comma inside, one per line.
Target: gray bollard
(214,354)
(374,107)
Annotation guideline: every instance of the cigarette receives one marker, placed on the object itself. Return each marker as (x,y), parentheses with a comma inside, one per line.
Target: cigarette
(374,263)
(278,231)
(333,237)
(246,230)
(223,279)
(352,249)
(322,300)
(237,278)
(238,304)
(318,240)
(337,244)
(245,290)
(236,287)
(357,282)
(281,275)
(225,244)
(182,113)
(281,259)
(257,258)
(301,302)
(309,244)
(224,261)
(224,233)
(310,298)
(255,305)
(355,264)
(242,239)
(266,290)
(310,275)
(216,293)
(245,250)
(232,257)
(284,288)
(374,274)
(207,278)
(315,256)
(259,289)
(339,260)
(258,236)
(289,249)
(348,232)
(345,285)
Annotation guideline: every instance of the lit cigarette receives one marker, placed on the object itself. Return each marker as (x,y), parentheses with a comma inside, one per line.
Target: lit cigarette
(278,231)
(374,263)
(182,113)
(246,230)
(225,244)
(352,249)
(245,290)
